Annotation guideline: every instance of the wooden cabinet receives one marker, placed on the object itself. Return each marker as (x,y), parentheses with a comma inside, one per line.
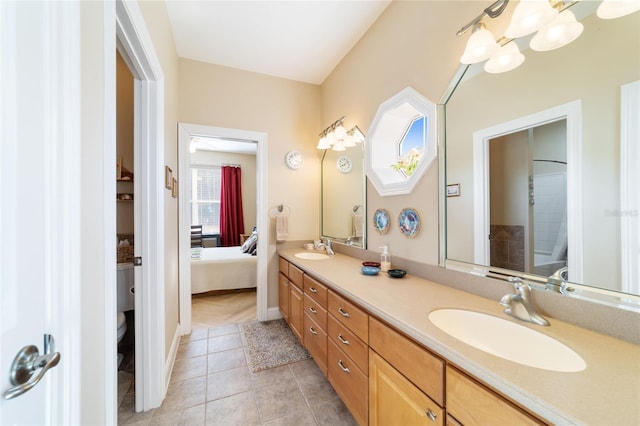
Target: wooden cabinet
(394,400)
(354,318)
(296,311)
(349,343)
(423,368)
(471,403)
(349,382)
(283,296)
(315,340)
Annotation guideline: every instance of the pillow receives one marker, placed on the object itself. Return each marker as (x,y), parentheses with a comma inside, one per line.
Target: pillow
(249,242)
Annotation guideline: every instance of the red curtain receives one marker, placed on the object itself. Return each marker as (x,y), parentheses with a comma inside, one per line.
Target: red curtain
(231,221)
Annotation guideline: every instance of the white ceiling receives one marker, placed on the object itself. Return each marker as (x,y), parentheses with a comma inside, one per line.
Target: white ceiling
(300,40)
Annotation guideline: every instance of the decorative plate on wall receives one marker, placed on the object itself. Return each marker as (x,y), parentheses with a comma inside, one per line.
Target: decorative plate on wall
(381,221)
(409,221)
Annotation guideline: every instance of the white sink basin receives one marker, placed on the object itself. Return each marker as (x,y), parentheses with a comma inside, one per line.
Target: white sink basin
(311,256)
(507,340)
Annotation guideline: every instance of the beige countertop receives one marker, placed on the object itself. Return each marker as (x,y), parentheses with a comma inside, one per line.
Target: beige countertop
(607,392)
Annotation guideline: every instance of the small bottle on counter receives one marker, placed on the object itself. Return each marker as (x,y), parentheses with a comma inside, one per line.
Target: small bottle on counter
(385,259)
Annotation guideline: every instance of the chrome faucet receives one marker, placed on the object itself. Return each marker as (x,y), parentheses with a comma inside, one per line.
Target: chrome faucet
(558,280)
(518,303)
(328,247)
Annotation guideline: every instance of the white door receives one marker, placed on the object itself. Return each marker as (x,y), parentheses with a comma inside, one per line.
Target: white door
(39,215)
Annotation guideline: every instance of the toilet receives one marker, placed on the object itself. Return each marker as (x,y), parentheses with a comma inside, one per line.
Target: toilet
(122,329)
(126,299)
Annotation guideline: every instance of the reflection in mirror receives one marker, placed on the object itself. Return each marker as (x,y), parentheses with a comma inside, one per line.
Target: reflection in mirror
(590,74)
(343,211)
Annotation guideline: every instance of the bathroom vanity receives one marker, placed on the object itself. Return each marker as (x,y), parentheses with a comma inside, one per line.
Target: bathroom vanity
(390,364)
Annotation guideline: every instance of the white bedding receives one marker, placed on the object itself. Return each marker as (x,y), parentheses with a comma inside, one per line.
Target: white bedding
(221,268)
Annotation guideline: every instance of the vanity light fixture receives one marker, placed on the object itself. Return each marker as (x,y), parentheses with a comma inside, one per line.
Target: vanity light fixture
(337,138)
(611,9)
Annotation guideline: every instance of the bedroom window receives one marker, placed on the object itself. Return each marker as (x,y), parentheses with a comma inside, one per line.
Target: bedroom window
(205,198)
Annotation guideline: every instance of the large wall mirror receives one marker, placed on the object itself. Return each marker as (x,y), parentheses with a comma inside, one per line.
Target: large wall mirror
(343,214)
(539,160)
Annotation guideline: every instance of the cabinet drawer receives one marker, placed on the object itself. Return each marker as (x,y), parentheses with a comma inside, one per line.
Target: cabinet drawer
(295,276)
(424,369)
(471,403)
(315,311)
(284,266)
(317,291)
(349,382)
(315,340)
(350,315)
(350,344)
(394,400)
(296,312)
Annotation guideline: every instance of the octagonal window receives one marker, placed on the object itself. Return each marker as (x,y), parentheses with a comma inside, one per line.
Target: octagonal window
(402,143)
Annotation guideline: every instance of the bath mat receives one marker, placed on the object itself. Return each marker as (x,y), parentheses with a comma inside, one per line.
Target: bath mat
(271,344)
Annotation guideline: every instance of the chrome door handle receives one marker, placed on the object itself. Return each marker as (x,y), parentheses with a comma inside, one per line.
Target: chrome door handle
(313,290)
(312,310)
(313,331)
(342,340)
(341,365)
(23,375)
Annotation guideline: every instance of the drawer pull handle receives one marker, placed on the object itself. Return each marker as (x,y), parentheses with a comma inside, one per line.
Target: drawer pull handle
(312,309)
(343,313)
(313,331)
(432,416)
(342,340)
(313,290)
(341,365)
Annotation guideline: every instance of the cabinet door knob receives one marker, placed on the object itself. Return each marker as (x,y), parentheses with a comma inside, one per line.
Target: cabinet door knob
(342,340)
(432,416)
(345,369)
(343,313)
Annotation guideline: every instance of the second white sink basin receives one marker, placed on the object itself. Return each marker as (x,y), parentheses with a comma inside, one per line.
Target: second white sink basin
(311,256)
(507,340)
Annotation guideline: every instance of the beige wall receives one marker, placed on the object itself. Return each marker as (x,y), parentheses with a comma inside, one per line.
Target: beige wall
(411,44)
(247,163)
(289,112)
(124,141)
(155,15)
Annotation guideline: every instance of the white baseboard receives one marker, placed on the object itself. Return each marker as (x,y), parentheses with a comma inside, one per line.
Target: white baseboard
(273,313)
(171,359)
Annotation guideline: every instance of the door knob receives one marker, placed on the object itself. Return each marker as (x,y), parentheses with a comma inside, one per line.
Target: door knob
(29,367)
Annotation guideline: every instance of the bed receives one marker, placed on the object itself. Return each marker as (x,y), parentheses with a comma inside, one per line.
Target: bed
(221,268)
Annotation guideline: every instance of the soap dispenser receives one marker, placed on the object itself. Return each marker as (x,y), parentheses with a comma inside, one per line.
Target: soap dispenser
(385,259)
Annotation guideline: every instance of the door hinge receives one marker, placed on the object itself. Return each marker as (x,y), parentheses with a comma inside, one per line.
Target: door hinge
(137,261)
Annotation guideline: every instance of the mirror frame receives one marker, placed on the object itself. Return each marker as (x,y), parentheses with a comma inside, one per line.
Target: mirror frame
(386,180)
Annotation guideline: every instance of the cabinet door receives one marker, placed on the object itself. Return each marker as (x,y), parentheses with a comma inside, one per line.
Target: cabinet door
(349,382)
(296,309)
(283,296)
(315,340)
(473,404)
(394,400)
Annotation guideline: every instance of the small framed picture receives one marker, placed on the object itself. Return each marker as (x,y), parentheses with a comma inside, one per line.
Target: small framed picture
(168,175)
(174,188)
(453,190)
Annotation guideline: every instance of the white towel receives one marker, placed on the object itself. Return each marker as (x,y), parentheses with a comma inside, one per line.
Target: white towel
(358,224)
(282,226)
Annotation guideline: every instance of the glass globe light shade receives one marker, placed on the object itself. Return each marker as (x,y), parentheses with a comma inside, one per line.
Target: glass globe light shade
(480,47)
(338,146)
(559,32)
(529,17)
(611,9)
(507,59)
(340,132)
(323,143)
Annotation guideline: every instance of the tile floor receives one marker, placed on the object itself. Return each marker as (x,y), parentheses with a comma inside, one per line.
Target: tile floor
(211,384)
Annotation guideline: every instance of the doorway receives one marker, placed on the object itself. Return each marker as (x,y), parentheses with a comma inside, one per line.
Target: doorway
(185,134)
(571,113)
